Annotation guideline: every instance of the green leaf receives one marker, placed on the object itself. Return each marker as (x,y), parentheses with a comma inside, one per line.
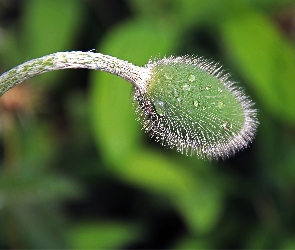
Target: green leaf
(197,198)
(35,189)
(37,226)
(154,172)
(48,27)
(266,60)
(102,235)
(195,243)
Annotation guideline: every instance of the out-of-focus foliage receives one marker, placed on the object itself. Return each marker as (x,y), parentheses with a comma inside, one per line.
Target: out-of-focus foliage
(77,171)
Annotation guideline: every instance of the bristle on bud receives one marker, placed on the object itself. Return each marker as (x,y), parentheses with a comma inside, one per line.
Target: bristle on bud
(191,105)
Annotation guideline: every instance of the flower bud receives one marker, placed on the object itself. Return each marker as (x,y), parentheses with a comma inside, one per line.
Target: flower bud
(191,105)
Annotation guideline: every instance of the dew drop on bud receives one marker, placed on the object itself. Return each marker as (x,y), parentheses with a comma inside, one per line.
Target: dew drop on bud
(196,103)
(191,78)
(227,125)
(220,104)
(186,87)
(160,107)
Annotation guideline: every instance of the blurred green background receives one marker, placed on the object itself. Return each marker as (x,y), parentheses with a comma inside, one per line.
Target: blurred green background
(77,171)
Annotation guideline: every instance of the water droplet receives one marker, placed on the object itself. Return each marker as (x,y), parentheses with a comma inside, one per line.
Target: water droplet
(226,125)
(186,87)
(191,78)
(220,105)
(161,103)
(196,103)
(160,107)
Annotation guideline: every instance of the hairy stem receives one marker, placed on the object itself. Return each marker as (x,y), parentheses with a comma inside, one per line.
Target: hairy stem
(73,60)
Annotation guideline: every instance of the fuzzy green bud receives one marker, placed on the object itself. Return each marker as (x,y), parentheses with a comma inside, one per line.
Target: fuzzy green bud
(191,105)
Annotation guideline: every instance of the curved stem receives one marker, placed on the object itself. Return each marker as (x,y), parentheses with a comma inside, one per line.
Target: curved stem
(138,76)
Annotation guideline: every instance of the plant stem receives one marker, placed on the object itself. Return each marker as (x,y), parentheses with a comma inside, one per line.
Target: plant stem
(136,75)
